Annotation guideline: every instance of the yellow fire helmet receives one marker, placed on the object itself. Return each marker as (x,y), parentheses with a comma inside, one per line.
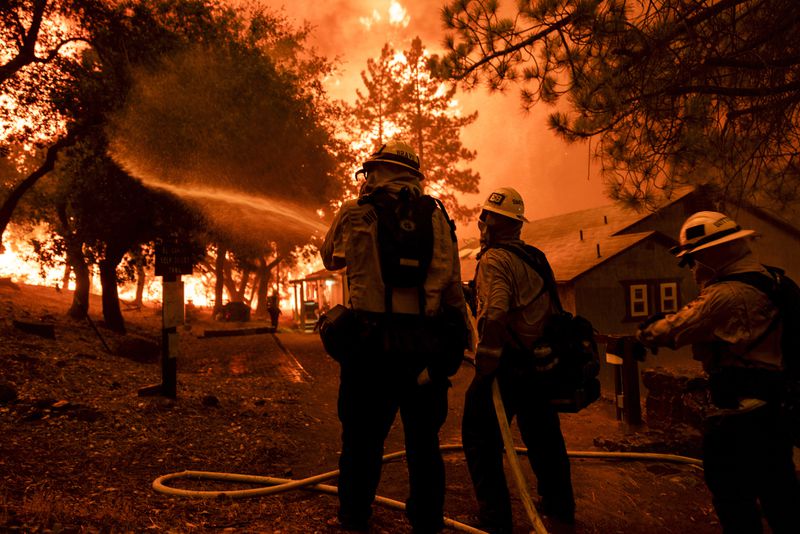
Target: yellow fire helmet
(396,153)
(507,202)
(706,229)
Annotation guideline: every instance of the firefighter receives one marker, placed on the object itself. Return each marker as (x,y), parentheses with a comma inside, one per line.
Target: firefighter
(734,331)
(273,310)
(511,297)
(384,372)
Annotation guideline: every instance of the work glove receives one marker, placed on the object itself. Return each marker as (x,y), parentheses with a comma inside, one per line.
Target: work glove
(650,320)
(646,341)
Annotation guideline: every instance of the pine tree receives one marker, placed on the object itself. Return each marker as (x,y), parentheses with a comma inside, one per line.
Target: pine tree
(379,105)
(402,100)
(434,128)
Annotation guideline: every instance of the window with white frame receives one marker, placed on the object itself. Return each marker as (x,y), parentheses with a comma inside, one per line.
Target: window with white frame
(638,300)
(669,297)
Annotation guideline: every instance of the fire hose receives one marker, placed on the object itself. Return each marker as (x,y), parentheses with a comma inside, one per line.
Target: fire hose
(273,485)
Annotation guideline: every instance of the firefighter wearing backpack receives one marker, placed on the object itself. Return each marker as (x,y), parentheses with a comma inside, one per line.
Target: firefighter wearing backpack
(513,305)
(734,329)
(399,248)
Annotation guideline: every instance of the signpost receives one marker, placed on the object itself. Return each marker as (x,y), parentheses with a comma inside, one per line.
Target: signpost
(173,259)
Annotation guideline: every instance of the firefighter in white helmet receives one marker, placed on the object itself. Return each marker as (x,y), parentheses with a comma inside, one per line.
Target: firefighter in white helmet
(399,291)
(734,329)
(513,303)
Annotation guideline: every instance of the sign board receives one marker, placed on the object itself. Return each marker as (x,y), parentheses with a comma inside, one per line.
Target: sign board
(173,257)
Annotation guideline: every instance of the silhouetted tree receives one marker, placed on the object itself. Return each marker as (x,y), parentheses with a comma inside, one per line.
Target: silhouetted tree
(37,44)
(376,109)
(677,92)
(403,99)
(279,134)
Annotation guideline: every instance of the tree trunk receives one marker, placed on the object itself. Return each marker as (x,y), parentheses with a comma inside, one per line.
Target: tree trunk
(219,285)
(230,284)
(243,284)
(141,277)
(112,314)
(256,282)
(80,297)
(264,275)
(74,249)
(67,273)
(262,278)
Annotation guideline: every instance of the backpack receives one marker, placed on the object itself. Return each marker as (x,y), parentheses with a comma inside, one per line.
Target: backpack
(405,250)
(405,239)
(567,351)
(785,294)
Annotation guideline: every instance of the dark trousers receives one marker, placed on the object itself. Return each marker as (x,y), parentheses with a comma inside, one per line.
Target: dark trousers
(373,388)
(748,461)
(540,428)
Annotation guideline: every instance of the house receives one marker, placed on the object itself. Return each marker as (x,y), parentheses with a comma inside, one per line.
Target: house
(316,293)
(613,266)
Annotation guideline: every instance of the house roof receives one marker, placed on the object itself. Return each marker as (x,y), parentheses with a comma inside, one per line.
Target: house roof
(572,241)
(579,241)
(322,274)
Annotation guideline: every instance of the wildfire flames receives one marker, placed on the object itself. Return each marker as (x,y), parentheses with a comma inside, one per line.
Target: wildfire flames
(18,263)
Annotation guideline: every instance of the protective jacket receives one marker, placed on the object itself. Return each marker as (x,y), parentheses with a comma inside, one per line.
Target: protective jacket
(352,241)
(510,293)
(729,324)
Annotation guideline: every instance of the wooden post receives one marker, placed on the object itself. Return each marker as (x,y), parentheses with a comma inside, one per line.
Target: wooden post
(632,406)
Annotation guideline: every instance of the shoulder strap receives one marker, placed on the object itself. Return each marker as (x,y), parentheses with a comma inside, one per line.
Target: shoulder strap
(537,261)
(763,282)
(450,221)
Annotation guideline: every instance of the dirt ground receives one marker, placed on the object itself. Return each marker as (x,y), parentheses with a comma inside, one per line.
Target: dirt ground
(80,449)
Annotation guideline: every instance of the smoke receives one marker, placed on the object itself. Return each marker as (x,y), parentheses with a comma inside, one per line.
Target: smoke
(228,134)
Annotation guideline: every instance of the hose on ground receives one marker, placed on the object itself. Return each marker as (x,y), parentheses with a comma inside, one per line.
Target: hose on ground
(273,485)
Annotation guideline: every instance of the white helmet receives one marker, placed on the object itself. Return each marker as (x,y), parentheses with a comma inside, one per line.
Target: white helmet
(507,202)
(707,229)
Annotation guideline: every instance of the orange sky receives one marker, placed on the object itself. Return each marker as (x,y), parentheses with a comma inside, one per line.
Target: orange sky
(514,149)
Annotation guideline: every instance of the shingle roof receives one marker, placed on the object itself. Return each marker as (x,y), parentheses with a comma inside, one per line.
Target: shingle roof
(559,237)
(570,256)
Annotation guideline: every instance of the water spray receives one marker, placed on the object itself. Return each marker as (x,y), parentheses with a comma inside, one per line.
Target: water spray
(282,209)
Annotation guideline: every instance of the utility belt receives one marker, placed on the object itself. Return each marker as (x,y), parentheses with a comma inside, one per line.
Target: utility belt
(437,342)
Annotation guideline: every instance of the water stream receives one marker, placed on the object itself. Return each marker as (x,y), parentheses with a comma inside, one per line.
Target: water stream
(283,210)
